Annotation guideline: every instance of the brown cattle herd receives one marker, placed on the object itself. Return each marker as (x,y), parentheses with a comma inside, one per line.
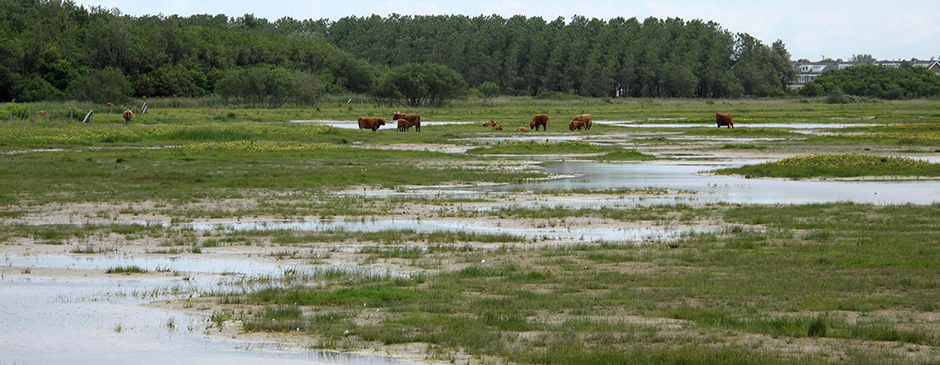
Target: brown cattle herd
(581,122)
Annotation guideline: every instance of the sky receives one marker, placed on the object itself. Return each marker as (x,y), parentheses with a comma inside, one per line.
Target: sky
(813,30)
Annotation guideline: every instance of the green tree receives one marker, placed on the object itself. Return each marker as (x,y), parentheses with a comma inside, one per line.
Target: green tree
(489,90)
(420,84)
(877,82)
(101,86)
(862,59)
(269,87)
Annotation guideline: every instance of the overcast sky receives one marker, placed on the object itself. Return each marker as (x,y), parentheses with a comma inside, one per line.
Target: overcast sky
(810,29)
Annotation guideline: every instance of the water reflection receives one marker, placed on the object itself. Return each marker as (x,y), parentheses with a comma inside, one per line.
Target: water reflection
(73,319)
(389,123)
(694,176)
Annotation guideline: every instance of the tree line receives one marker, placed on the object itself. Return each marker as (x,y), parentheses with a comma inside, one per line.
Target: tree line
(54,50)
(904,82)
(57,50)
(591,57)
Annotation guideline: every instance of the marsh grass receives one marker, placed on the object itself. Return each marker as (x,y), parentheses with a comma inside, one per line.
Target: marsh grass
(178,174)
(533,147)
(586,191)
(625,155)
(393,252)
(743,147)
(127,270)
(752,278)
(50,242)
(91,249)
(918,134)
(741,132)
(841,165)
(386,236)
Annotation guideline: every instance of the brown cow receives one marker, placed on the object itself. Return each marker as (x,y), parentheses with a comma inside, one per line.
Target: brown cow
(586,118)
(522,129)
(128,115)
(371,123)
(414,119)
(42,112)
(498,128)
(576,124)
(489,123)
(404,125)
(109,105)
(539,120)
(724,119)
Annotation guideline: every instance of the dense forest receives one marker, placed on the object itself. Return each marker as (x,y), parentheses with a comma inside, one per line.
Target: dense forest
(592,57)
(56,50)
(51,49)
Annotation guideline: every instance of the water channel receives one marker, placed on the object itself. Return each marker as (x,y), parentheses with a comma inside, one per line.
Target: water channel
(74,319)
(695,176)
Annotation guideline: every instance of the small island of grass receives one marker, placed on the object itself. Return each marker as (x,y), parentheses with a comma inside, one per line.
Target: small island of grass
(625,155)
(533,147)
(842,165)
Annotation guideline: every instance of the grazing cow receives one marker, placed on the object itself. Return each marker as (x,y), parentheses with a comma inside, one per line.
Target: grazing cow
(109,105)
(586,118)
(414,119)
(42,112)
(371,123)
(539,120)
(576,124)
(404,125)
(724,119)
(522,129)
(498,128)
(489,123)
(128,115)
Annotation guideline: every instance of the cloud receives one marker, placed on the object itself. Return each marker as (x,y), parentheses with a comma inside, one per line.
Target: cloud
(760,22)
(883,33)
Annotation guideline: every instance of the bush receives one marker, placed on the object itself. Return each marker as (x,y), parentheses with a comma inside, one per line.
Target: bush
(836,97)
(17,111)
(817,328)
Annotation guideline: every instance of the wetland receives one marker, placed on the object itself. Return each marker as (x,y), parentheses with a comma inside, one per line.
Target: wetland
(237,236)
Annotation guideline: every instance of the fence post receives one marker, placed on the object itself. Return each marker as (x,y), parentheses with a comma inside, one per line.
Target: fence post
(91,113)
